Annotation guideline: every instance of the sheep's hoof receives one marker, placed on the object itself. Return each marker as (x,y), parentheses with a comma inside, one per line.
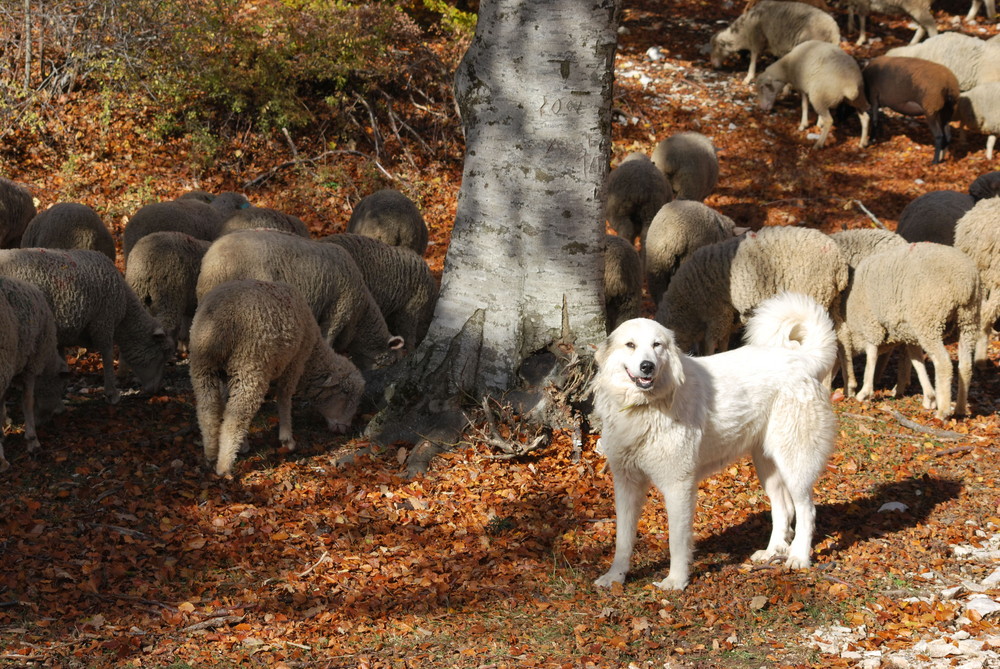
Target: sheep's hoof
(113,396)
(4,465)
(288,444)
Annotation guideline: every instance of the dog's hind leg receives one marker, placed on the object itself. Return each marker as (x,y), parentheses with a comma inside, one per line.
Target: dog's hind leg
(680,498)
(630,497)
(782,508)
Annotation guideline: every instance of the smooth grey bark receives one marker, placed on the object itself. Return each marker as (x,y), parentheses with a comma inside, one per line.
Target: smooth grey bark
(534,90)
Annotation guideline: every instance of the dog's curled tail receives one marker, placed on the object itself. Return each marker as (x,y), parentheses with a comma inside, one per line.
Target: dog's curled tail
(795,321)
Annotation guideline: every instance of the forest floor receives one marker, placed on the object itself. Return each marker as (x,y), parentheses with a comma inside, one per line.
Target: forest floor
(120,550)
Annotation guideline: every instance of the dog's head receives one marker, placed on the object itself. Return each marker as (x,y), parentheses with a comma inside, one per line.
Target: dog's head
(641,361)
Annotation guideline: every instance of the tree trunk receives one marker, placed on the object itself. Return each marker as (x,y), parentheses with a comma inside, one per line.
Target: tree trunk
(534,90)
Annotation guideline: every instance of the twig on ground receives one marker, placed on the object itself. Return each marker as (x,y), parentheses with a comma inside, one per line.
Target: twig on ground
(268,175)
(869,214)
(325,557)
(933,431)
(952,451)
(212,623)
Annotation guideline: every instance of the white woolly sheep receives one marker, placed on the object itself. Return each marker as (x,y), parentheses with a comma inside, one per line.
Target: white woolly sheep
(989,66)
(689,162)
(932,216)
(680,228)
(920,10)
(985,186)
(716,289)
(977,234)
(17,208)
(960,53)
(251,218)
(825,76)
(913,86)
(911,295)
(818,4)
(247,335)
(979,111)
(325,274)
(29,356)
(191,216)
(855,246)
(622,281)
(634,192)
(775,27)
(69,225)
(95,308)
(401,283)
(163,271)
(390,217)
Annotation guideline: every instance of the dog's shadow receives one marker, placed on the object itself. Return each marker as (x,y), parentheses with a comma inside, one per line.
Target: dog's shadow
(844,523)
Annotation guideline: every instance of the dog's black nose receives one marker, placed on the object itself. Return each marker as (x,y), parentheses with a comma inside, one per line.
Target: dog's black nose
(646,367)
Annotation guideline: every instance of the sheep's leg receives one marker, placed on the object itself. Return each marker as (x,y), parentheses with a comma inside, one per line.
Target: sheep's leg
(825,124)
(865,119)
(847,370)
(966,346)
(4,465)
(862,20)
(245,397)
(209,404)
(107,350)
(973,10)
(753,67)
(940,137)
(926,25)
(804,123)
(28,409)
(916,358)
(284,390)
(991,10)
(942,376)
(990,143)
(871,361)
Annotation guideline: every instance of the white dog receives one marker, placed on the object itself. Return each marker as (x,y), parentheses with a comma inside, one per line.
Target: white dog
(671,420)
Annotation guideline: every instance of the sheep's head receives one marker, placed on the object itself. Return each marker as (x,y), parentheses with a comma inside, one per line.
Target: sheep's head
(767,91)
(721,46)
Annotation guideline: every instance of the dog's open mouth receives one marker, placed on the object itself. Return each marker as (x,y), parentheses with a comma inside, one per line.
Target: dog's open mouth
(641,382)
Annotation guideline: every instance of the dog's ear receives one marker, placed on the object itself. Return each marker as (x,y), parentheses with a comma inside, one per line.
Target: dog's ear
(601,354)
(676,371)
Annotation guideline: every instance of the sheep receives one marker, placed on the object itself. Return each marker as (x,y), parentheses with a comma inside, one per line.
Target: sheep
(29,355)
(985,186)
(825,75)
(989,66)
(250,218)
(913,86)
(688,160)
(247,335)
(95,308)
(991,9)
(960,53)
(199,219)
(680,228)
(718,286)
(162,270)
(920,10)
(932,216)
(325,274)
(977,234)
(911,295)
(855,246)
(979,110)
(400,282)
(390,217)
(622,281)
(17,208)
(773,26)
(818,4)
(69,225)
(634,192)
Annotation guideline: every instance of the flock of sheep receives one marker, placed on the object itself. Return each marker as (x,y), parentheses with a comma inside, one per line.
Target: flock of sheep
(950,76)
(937,277)
(257,304)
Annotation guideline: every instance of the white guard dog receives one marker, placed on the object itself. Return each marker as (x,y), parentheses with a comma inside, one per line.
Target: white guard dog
(671,420)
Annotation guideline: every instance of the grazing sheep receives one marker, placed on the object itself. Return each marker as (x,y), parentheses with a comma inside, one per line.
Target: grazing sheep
(920,10)
(913,86)
(825,76)
(252,218)
(17,208)
(775,27)
(680,228)
(985,186)
(325,275)
(163,271)
(247,335)
(818,4)
(979,111)
(716,289)
(622,281)
(29,356)
(991,9)
(977,234)
(191,216)
(960,53)
(911,295)
(69,225)
(196,194)
(94,307)
(401,283)
(390,217)
(634,192)
(932,217)
(688,160)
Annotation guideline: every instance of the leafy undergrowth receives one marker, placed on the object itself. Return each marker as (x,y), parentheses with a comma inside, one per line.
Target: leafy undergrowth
(120,550)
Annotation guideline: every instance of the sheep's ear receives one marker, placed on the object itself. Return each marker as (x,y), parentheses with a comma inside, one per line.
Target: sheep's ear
(737,231)
(396,343)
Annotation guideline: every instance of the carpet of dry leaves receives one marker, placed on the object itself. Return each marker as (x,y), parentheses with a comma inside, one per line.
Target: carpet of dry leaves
(119,550)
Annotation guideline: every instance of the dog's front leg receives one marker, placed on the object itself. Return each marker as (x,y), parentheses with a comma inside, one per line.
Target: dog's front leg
(680,499)
(630,496)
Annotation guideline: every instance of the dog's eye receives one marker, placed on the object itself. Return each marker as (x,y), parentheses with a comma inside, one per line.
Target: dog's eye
(656,344)
(630,344)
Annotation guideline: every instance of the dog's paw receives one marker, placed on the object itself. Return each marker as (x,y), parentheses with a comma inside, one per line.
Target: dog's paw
(769,555)
(796,562)
(930,402)
(672,582)
(610,579)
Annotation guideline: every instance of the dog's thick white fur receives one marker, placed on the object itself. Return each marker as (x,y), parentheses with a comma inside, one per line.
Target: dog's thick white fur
(671,420)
